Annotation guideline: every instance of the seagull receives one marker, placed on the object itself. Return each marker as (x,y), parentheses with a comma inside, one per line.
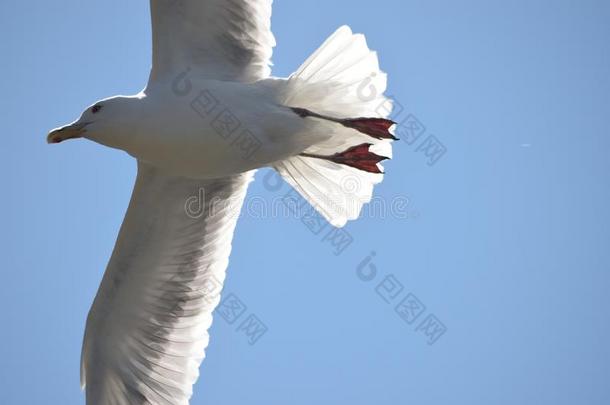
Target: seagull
(209,116)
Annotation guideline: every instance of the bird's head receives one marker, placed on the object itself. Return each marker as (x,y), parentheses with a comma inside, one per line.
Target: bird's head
(109,122)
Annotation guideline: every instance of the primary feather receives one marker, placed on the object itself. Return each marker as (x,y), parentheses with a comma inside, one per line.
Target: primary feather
(147,329)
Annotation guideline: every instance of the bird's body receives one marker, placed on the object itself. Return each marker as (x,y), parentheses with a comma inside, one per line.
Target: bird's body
(204,128)
(208,117)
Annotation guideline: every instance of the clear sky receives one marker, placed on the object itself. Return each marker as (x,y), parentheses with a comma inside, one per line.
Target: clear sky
(504,240)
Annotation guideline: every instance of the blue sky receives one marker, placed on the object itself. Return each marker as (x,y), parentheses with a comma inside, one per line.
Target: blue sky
(503,240)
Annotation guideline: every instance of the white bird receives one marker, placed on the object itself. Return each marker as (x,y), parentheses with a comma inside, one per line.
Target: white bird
(209,116)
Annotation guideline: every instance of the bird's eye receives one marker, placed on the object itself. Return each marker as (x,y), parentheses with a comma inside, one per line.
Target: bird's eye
(96,108)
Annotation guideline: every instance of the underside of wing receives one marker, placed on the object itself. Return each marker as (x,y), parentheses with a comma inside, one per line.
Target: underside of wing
(147,329)
(222,39)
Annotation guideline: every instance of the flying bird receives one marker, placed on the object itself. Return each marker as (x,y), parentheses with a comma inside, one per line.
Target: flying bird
(209,116)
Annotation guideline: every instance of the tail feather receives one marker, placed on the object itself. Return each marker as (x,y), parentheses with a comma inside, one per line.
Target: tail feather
(336,193)
(341,86)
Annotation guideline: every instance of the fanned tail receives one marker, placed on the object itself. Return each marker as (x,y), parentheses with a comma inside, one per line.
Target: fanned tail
(340,86)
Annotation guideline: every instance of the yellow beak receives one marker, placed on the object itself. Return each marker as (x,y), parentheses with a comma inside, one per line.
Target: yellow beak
(72,131)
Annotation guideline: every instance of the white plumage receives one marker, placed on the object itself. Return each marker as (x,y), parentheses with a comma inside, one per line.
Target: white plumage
(146,332)
(223,39)
(341,79)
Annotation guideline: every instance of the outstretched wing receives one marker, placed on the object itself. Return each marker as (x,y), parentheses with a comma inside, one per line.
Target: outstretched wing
(147,329)
(222,39)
